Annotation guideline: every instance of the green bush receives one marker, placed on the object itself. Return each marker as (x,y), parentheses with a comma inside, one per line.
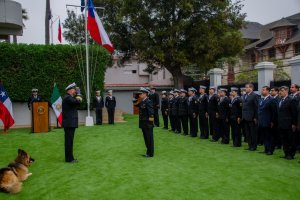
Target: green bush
(23,67)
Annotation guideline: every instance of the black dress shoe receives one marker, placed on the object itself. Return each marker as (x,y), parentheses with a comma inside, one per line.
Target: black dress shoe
(73,161)
(147,156)
(289,158)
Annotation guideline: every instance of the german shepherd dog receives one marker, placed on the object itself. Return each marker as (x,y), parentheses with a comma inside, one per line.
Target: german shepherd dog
(12,176)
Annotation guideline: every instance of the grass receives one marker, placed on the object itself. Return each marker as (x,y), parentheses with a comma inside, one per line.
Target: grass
(111,167)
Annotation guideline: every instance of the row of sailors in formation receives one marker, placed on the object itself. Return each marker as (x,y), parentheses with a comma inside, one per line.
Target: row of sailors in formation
(269,119)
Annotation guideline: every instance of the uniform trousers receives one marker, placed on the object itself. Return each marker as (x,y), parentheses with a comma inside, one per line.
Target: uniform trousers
(149,141)
(69,138)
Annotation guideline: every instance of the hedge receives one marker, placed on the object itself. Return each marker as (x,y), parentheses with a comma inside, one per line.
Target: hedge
(23,67)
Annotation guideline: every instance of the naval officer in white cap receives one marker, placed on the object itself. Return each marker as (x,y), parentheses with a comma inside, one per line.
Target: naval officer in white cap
(70,119)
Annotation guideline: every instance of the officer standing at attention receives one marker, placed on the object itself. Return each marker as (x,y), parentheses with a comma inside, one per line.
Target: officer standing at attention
(154,97)
(164,108)
(193,112)
(174,112)
(183,111)
(235,118)
(33,98)
(110,104)
(171,116)
(146,119)
(98,105)
(287,122)
(222,116)
(212,108)
(267,108)
(275,95)
(203,114)
(70,120)
(249,116)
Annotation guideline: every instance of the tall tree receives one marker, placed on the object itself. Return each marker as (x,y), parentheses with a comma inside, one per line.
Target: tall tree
(74,28)
(175,34)
(47,18)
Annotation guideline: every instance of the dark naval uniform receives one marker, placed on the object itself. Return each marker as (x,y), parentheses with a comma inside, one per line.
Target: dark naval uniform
(146,118)
(110,104)
(287,116)
(277,139)
(267,109)
(98,104)
(69,123)
(212,109)
(183,114)
(171,116)
(193,113)
(154,97)
(174,113)
(249,113)
(203,119)
(33,98)
(235,114)
(222,120)
(164,111)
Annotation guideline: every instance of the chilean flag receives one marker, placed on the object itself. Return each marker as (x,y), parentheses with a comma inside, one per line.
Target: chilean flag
(6,114)
(96,28)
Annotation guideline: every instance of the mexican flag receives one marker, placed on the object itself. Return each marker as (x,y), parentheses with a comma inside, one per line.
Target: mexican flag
(56,102)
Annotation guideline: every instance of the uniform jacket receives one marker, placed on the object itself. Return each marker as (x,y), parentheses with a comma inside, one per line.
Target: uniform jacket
(223,108)
(145,112)
(98,104)
(287,113)
(212,106)
(154,97)
(203,104)
(110,103)
(193,105)
(171,101)
(174,106)
(183,106)
(267,109)
(164,104)
(250,106)
(31,99)
(69,112)
(295,97)
(235,108)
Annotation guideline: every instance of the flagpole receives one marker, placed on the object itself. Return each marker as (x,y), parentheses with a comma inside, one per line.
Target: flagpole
(88,120)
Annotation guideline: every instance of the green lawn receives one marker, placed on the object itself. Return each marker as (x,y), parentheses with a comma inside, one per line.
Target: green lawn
(111,167)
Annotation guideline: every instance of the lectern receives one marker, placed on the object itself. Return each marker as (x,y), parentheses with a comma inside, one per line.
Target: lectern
(40,117)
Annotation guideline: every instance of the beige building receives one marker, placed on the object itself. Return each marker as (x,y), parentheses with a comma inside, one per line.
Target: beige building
(278,40)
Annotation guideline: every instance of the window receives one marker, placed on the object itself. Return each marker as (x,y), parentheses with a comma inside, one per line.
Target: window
(272,53)
(133,71)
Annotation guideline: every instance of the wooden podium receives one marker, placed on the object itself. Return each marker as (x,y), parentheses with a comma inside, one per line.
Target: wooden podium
(40,117)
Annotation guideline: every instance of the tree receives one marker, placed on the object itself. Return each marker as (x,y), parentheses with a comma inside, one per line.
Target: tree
(74,28)
(174,34)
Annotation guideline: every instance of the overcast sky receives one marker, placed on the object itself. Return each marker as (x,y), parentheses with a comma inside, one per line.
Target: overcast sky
(262,11)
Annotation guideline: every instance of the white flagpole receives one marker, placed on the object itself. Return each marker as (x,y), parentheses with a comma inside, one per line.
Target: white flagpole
(88,120)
